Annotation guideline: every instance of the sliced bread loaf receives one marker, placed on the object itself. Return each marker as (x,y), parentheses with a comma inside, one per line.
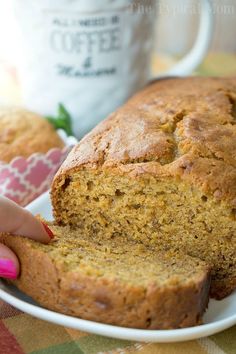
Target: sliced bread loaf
(161,170)
(113,281)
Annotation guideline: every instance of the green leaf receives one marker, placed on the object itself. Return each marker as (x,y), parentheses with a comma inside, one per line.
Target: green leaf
(62,120)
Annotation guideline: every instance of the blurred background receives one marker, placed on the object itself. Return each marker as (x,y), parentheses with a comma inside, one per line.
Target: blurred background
(177,19)
(175,24)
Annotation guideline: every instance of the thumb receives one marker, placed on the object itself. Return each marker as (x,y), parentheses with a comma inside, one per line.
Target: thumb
(18,221)
(9,264)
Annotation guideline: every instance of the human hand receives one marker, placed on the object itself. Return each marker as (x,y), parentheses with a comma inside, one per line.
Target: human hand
(18,221)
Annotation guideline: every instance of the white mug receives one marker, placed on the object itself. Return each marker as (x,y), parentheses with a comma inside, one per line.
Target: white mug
(91,55)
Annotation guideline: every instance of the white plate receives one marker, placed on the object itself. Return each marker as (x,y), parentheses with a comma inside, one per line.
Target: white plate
(219,316)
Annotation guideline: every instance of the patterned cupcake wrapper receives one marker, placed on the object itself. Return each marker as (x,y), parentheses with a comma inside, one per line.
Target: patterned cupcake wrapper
(23,180)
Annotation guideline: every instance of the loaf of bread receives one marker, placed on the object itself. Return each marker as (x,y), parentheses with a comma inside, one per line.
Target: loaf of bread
(23,133)
(113,281)
(161,171)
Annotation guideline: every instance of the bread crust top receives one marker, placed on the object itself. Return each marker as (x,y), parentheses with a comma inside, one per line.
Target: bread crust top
(178,128)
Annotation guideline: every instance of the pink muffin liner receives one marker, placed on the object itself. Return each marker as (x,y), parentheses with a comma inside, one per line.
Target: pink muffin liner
(24,179)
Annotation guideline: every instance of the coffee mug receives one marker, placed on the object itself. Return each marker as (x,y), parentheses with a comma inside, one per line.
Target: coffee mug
(91,55)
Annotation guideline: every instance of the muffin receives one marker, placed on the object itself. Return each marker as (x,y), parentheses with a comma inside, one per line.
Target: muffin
(23,133)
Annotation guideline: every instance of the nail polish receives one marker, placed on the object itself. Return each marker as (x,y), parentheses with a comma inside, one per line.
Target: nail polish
(49,231)
(7,269)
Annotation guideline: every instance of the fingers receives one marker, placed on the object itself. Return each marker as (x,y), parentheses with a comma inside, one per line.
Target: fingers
(18,221)
(9,264)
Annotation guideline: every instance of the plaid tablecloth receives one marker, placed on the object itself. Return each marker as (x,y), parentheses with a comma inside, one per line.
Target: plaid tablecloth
(21,333)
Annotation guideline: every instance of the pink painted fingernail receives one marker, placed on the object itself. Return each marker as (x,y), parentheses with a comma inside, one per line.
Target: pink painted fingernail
(7,269)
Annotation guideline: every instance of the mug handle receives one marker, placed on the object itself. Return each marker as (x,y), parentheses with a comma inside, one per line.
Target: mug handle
(196,55)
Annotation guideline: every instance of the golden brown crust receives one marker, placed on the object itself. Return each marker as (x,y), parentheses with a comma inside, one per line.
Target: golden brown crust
(23,133)
(100,299)
(222,288)
(184,128)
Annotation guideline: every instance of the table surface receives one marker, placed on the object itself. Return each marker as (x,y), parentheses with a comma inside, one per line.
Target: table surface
(21,333)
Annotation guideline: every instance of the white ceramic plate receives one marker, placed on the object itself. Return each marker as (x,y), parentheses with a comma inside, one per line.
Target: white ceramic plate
(219,316)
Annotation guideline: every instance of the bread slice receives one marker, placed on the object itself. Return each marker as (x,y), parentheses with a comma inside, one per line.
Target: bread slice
(161,170)
(112,281)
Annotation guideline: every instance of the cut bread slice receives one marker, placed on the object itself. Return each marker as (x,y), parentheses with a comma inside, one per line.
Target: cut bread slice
(113,281)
